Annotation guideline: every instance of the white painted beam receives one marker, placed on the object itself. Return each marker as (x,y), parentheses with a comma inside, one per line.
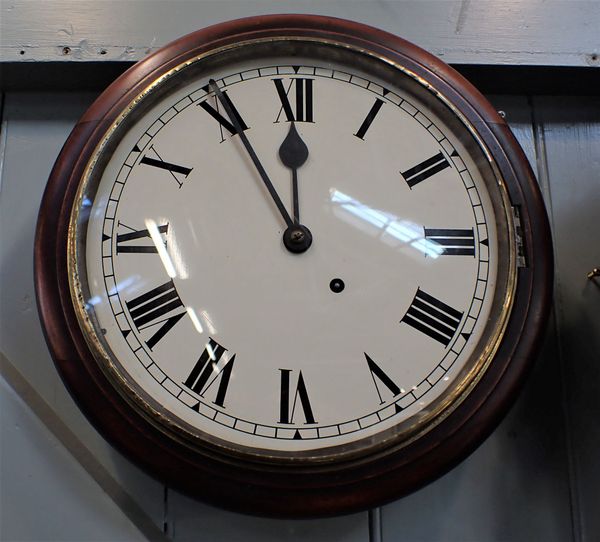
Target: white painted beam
(525,32)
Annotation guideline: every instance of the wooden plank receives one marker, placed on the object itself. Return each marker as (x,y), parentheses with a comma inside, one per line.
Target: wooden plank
(189,520)
(515,486)
(570,132)
(537,32)
(44,494)
(33,130)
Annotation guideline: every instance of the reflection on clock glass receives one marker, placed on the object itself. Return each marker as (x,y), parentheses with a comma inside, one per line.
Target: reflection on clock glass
(363,318)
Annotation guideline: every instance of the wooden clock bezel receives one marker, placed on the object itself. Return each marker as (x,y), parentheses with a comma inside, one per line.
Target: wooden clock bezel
(304,491)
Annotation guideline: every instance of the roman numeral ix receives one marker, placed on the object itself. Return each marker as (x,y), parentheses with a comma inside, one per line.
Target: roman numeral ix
(297,105)
(453,242)
(208,369)
(432,317)
(158,307)
(424,170)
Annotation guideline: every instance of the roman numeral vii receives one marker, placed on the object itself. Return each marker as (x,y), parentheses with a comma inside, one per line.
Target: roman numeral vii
(211,365)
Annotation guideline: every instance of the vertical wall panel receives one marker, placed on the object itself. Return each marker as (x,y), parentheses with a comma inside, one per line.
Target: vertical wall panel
(570,130)
(515,486)
(191,521)
(34,129)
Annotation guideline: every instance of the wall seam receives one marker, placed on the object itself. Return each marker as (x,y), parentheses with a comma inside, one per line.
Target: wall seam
(544,178)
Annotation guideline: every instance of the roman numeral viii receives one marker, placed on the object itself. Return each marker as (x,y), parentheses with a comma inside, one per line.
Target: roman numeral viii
(287,410)
(211,366)
(424,170)
(432,317)
(297,104)
(158,307)
(452,242)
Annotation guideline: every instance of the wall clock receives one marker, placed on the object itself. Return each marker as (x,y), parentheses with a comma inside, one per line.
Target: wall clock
(293,265)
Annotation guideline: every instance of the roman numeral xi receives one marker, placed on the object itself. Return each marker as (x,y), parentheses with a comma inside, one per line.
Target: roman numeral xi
(432,317)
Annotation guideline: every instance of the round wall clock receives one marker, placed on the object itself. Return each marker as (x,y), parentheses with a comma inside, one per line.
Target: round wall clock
(293,265)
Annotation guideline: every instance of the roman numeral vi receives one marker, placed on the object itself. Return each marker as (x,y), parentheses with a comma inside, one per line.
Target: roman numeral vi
(287,410)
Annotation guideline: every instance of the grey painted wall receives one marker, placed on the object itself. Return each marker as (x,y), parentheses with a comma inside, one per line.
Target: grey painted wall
(536,478)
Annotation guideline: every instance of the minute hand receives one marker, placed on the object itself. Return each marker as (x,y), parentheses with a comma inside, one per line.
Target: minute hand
(261,170)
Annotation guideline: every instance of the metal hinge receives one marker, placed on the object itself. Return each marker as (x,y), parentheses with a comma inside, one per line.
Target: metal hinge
(520,243)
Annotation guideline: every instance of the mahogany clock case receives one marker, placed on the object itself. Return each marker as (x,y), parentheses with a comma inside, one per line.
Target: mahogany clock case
(303,489)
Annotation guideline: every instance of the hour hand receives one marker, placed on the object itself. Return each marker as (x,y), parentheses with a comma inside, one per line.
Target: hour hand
(293,153)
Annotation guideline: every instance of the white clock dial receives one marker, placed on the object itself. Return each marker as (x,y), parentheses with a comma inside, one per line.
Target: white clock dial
(241,340)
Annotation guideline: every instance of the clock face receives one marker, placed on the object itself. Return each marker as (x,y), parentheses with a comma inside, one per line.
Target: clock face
(203,315)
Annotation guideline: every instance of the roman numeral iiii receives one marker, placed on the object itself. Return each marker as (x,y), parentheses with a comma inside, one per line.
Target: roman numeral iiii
(432,317)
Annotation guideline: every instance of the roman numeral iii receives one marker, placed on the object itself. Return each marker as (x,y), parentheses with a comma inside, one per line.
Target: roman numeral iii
(211,365)
(287,410)
(158,307)
(452,242)
(297,104)
(425,170)
(432,317)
